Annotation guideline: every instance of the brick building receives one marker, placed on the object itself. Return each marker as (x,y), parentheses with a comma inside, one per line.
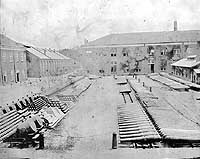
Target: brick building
(142,52)
(12,61)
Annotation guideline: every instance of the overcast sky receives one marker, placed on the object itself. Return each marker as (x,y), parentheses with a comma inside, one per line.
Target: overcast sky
(65,23)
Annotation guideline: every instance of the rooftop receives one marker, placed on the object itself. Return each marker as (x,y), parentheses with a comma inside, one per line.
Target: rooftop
(63,56)
(147,37)
(8,42)
(197,71)
(186,63)
(37,53)
(46,54)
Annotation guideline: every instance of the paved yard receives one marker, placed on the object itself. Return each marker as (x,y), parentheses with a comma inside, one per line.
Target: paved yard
(86,132)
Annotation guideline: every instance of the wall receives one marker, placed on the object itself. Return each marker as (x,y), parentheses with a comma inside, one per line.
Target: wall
(10,65)
(96,59)
(21,66)
(33,65)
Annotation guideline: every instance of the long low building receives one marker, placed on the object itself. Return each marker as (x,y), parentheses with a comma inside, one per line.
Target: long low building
(46,62)
(188,68)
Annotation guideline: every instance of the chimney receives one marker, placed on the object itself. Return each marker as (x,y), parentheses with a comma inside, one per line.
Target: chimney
(175,26)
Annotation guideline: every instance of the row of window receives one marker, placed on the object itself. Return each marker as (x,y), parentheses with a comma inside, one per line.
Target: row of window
(18,56)
(151,52)
(164,51)
(162,68)
(183,73)
(114,54)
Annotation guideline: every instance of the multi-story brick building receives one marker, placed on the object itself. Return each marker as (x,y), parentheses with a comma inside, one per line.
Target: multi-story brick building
(12,61)
(142,52)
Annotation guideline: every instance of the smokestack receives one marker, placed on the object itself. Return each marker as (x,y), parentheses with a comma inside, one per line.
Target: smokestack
(175,26)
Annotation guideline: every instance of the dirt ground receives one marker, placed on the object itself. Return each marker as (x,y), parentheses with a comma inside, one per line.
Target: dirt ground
(86,131)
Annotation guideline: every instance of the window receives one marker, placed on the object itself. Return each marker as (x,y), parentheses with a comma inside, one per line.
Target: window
(125,54)
(88,52)
(3,57)
(177,51)
(114,62)
(162,52)
(163,68)
(4,111)
(11,58)
(12,75)
(151,52)
(114,54)
(101,71)
(5,77)
(137,70)
(113,69)
(16,57)
(22,56)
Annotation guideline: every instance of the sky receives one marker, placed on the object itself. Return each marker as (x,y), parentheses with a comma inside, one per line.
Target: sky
(66,23)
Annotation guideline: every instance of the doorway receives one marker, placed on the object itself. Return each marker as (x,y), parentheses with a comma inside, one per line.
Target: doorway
(152,68)
(4,78)
(17,77)
(113,69)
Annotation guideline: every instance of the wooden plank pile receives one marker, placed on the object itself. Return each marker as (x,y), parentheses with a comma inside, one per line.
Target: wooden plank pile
(134,125)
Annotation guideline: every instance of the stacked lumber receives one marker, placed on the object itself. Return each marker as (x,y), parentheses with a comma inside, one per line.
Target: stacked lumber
(134,124)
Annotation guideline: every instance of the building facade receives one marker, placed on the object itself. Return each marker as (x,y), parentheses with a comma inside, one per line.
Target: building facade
(46,62)
(145,52)
(12,60)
